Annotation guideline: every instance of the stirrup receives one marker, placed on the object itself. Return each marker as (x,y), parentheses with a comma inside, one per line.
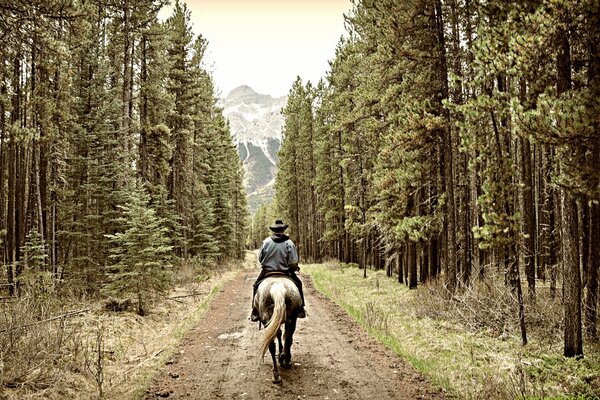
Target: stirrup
(254,317)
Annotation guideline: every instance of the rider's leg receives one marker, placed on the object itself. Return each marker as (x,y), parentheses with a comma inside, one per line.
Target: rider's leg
(254,316)
(298,282)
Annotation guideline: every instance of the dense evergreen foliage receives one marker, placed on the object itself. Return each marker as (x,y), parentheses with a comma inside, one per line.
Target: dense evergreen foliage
(115,161)
(452,139)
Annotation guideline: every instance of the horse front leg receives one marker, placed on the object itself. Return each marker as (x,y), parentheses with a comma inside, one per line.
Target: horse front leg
(285,358)
(276,376)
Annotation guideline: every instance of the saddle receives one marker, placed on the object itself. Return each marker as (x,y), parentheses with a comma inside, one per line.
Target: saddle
(277,274)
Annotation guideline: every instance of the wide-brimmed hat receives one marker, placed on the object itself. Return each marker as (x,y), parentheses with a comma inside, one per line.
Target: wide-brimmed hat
(278,226)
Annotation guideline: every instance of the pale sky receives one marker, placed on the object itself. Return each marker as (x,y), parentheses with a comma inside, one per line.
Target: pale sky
(266,43)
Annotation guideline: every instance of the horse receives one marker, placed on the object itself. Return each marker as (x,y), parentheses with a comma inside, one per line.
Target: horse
(278,301)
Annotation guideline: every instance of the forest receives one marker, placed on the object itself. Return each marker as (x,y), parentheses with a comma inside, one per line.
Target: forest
(115,161)
(117,169)
(453,147)
(457,143)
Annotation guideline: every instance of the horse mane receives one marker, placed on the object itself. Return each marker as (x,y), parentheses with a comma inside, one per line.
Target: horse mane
(277,293)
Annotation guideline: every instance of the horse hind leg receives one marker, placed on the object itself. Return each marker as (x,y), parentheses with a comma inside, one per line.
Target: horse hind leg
(285,358)
(279,342)
(276,376)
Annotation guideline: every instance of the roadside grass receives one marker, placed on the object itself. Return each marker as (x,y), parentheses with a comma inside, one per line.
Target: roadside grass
(466,363)
(106,354)
(145,344)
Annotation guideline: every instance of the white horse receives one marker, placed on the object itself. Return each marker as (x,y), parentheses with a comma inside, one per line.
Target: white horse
(278,302)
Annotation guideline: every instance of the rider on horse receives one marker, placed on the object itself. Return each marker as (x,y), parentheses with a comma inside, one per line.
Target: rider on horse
(278,255)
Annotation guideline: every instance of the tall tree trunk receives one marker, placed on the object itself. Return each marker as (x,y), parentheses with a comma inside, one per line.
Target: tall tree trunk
(573,344)
(550,209)
(425,264)
(528,215)
(583,223)
(591,299)
(125,90)
(447,155)
(412,265)
(400,263)
(3,168)
(11,212)
(143,152)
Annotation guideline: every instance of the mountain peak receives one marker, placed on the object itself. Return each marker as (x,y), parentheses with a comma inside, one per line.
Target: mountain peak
(242,90)
(256,123)
(246,95)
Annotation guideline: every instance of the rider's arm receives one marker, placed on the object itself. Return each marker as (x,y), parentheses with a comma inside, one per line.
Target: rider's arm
(261,254)
(293,257)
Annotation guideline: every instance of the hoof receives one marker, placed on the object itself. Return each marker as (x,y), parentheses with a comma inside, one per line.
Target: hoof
(277,380)
(285,360)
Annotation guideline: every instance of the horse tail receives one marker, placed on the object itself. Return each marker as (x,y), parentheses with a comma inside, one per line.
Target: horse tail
(278,295)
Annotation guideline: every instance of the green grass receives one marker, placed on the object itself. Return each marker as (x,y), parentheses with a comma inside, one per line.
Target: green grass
(463,363)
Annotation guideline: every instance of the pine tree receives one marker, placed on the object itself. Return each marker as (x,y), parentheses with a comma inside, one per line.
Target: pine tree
(36,281)
(99,169)
(140,254)
(81,84)
(180,121)
(330,177)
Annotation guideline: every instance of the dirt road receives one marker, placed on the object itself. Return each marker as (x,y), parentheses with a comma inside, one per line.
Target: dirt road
(332,357)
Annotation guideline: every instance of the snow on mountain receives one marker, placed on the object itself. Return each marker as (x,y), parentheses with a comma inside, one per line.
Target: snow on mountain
(253,117)
(256,124)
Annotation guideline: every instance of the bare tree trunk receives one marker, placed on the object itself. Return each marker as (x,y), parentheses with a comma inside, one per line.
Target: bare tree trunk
(528,216)
(11,213)
(572,281)
(412,265)
(3,168)
(143,151)
(400,263)
(434,258)
(447,157)
(126,94)
(573,346)
(549,233)
(424,270)
(591,299)
(583,222)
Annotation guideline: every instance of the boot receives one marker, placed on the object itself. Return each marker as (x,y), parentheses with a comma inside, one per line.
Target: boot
(254,317)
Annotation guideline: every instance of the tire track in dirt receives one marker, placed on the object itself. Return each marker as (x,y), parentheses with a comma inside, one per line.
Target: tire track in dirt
(333,358)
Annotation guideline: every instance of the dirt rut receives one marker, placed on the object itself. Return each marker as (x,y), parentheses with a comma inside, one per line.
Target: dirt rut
(332,357)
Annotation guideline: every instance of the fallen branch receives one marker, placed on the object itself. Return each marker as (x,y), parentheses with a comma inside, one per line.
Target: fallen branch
(185,295)
(68,314)
(144,361)
(176,297)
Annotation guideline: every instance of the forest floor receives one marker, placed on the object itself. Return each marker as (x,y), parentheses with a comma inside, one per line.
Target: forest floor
(469,361)
(332,357)
(98,353)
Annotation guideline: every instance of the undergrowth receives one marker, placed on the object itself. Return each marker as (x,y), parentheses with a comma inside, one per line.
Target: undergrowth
(468,344)
(74,348)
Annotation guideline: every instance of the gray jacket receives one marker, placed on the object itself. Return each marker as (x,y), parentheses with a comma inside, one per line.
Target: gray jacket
(278,253)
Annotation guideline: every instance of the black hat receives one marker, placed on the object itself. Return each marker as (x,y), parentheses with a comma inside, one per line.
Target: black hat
(278,226)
